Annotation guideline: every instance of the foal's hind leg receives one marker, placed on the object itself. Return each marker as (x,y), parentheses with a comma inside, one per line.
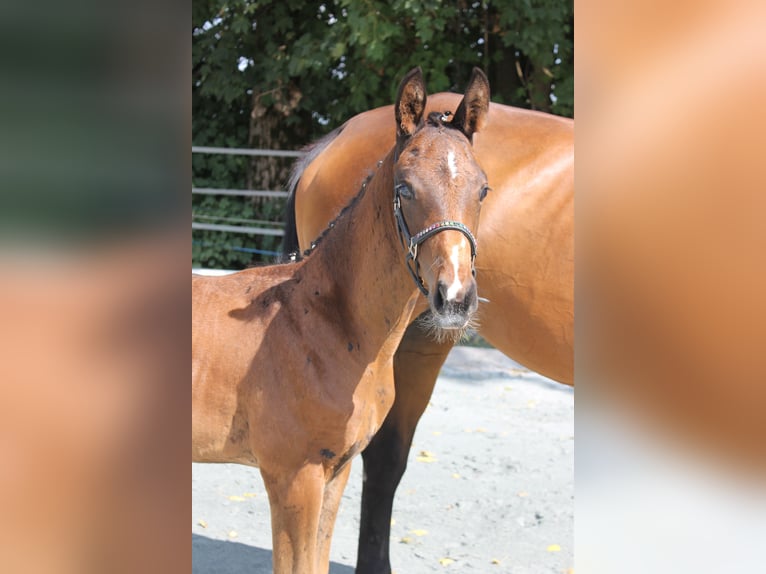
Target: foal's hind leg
(295,499)
(416,366)
(332,495)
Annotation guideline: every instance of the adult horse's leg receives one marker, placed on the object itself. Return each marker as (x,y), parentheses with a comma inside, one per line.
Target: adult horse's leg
(295,500)
(332,495)
(416,366)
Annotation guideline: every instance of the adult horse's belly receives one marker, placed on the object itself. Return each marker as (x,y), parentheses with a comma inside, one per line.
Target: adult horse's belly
(525,259)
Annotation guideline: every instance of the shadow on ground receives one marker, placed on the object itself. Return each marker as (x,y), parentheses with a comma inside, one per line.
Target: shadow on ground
(210,556)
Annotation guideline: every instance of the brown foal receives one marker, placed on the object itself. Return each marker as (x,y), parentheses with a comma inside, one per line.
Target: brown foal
(292,365)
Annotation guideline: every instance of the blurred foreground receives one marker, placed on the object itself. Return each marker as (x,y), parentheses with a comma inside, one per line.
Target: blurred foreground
(671,319)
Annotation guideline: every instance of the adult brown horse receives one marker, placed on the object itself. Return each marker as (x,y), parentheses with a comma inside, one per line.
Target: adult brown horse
(525,269)
(292,365)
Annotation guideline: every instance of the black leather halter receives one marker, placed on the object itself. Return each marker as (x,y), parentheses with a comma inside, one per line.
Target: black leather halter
(411,242)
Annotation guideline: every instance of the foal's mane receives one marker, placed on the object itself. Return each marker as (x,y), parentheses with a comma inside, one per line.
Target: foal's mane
(298,255)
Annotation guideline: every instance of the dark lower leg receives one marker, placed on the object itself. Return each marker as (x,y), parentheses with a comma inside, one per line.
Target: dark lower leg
(416,366)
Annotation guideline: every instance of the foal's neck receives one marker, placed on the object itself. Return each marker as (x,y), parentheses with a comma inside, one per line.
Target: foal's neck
(365,258)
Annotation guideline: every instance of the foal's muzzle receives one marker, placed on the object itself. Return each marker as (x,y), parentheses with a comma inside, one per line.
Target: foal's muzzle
(453,313)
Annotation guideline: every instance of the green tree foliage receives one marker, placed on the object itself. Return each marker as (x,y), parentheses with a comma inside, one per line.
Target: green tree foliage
(280,73)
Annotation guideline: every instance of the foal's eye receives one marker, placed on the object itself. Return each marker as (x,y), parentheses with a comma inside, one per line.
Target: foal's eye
(404,191)
(483,192)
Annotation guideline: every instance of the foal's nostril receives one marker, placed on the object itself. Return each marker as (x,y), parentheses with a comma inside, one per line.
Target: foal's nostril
(471,299)
(440,296)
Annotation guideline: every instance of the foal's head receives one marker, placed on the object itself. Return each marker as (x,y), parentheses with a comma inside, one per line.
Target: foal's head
(438,189)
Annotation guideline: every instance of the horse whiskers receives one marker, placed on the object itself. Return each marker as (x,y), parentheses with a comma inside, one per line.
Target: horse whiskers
(430,325)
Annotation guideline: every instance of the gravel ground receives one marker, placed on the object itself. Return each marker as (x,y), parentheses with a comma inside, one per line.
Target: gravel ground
(489,486)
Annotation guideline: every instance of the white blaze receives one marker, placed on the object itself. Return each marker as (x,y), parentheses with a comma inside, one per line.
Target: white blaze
(454,289)
(451,164)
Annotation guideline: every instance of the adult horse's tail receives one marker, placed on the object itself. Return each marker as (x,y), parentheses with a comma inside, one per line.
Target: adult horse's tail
(290,238)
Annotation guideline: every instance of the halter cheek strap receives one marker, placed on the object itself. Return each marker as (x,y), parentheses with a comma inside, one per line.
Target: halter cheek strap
(411,242)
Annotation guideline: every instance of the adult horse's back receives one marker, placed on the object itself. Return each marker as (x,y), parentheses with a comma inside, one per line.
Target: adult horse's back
(525,259)
(525,266)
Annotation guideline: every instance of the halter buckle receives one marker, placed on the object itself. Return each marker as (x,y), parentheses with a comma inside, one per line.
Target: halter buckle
(413,250)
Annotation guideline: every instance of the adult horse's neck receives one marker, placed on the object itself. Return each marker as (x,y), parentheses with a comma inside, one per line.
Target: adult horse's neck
(364,258)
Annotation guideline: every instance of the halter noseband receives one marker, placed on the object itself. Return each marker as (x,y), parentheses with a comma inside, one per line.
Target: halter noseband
(411,242)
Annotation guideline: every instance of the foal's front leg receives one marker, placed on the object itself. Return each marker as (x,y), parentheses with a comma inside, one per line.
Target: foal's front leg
(332,494)
(296,502)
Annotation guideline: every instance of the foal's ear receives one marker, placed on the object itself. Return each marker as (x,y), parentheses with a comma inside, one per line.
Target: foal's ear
(471,114)
(410,103)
